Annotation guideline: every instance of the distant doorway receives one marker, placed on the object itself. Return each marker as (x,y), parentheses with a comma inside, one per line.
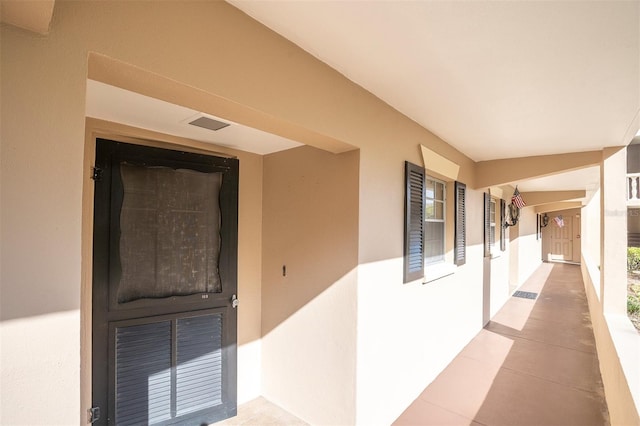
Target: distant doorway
(561,240)
(164,286)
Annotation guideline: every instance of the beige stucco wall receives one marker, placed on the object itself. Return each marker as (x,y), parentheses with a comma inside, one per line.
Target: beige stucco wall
(590,228)
(205,47)
(525,248)
(529,246)
(310,225)
(211,57)
(617,341)
(618,350)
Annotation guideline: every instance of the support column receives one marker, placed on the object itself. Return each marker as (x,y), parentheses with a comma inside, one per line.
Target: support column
(613,230)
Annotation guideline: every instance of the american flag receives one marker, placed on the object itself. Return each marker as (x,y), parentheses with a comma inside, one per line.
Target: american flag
(517,199)
(559,221)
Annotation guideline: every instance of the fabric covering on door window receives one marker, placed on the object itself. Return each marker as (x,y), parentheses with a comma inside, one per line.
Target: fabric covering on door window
(169,232)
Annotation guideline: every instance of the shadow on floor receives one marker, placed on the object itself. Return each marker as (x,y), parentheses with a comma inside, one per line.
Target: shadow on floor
(535,363)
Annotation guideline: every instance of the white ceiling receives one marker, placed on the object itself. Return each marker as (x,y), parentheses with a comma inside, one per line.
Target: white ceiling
(122,106)
(495,79)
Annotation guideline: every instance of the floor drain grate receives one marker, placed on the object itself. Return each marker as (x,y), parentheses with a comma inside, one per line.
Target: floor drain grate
(525,294)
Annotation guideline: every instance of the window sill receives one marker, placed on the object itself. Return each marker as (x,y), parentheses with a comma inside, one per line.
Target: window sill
(437,271)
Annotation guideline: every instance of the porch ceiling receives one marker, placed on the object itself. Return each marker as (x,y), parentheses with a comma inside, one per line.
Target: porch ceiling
(107,102)
(494,79)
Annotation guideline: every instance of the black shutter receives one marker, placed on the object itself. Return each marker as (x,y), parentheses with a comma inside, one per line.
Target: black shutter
(460,240)
(487,225)
(414,177)
(503,228)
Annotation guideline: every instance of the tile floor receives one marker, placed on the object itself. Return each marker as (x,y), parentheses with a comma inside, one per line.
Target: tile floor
(260,412)
(535,363)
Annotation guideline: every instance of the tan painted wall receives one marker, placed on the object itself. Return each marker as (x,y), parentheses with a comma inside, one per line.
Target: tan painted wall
(525,250)
(590,228)
(613,228)
(554,207)
(514,258)
(498,172)
(34,15)
(618,348)
(310,225)
(617,341)
(210,56)
(209,46)
(547,197)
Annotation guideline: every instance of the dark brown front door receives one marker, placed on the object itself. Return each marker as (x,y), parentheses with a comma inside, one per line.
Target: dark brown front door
(164,286)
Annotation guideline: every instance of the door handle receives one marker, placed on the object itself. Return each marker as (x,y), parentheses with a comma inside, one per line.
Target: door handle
(234,301)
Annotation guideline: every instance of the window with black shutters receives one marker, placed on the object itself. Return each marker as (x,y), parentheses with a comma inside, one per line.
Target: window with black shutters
(460,239)
(425,227)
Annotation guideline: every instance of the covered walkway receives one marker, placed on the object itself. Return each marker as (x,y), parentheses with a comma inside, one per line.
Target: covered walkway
(535,363)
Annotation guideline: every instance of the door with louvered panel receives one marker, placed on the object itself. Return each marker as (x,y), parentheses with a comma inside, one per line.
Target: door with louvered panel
(164,286)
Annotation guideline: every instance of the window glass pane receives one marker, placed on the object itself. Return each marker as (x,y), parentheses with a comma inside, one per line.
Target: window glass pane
(429,188)
(439,210)
(429,209)
(434,242)
(492,221)
(169,233)
(439,191)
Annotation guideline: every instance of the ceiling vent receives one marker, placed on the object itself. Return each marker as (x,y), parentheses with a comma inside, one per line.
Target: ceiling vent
(208,123)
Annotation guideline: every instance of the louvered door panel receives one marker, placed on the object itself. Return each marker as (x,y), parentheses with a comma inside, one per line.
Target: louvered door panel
(199,363)
(143,373)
